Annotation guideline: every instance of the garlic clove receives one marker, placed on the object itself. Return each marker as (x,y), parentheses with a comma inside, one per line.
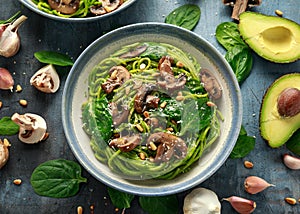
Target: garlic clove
(9,37)
(201,200)
(4,152)
(291,162)
(254,184)
(46,79)
(6,80)
(241,205)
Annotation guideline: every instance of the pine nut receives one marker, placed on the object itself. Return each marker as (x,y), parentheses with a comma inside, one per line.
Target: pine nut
(291,201)
(23,103)
(163,104)
(79,210)
(18,88)
(142,156)
(248,164)
(152,146)
(278,12)
(17,181)
(139,127)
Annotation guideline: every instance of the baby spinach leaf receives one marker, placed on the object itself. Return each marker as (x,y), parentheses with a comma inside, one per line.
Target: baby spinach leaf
(244,145)
(8,127)
(228,35)
(186,16)
(293,144)
(55,58)
(57,178)
(154,52)
(159,205)
(119,199)
(240,60)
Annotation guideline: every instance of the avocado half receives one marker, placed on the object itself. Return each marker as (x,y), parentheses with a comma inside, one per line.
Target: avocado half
(274,38)
(274,128)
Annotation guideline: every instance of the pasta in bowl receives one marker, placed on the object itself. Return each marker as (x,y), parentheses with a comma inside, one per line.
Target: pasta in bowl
(153,113)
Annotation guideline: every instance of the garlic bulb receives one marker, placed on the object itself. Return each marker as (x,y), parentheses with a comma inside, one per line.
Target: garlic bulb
(9,37)
(201,201)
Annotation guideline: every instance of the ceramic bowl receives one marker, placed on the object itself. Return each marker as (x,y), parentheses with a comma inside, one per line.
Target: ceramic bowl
(32,6)
(75,94)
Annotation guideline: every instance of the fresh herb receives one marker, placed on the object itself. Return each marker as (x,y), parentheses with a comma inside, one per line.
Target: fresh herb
(293,144)
(57,178)
(244,145)
(186,16)
(240,60)
(11,19)
(8,127)
(55,58)
(120,199)
(159,205)
(238,53)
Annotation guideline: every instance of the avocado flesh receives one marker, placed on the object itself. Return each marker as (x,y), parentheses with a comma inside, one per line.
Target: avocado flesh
(276,39)
(275,129)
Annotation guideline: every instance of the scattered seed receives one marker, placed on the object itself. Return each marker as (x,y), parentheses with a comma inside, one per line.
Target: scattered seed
(23,103)
(278,12)
(142,155)
(79,210)
(152,146)
(17,181)
(291,201)
(248,164)
(18,88)
(163,104)
(139,127)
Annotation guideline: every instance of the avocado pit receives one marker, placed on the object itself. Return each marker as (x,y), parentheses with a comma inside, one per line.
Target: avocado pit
(288,102)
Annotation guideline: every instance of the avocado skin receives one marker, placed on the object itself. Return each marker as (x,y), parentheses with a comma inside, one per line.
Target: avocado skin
(275,129)
(274,38)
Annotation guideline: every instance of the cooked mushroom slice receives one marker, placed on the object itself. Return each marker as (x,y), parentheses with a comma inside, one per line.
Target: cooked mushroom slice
(32,127)
(167,79)
(111,5)
(126,143)
(118,116)
(46,79)
(141,96)
(134,53)
(211,84)
(64,6)
(168,145)
(97,10)
(4,153)
(118,75)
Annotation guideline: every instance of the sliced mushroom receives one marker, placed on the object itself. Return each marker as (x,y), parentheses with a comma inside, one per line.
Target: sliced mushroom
(211,84)
(118,116)
(4,152)
(107,6)
(141,95)
(118,75)
(168,145)
(64,6)
(134,53)
(46,79)
(167,79)
(32,127)
(127,143)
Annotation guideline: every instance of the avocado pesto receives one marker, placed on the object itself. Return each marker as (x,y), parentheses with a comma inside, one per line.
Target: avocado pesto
(148,112)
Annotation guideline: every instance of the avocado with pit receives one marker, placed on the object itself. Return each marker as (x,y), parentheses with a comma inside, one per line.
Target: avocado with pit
(280,110)
(274,38)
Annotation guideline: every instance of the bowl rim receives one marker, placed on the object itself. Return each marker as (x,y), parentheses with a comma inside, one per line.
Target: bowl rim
(155,191)
(30,5)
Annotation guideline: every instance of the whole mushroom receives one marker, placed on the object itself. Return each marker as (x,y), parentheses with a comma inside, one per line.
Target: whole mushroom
(46,79)
(32,127)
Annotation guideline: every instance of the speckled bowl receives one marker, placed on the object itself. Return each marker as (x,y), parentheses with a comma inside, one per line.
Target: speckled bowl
(29,4)
(75,92)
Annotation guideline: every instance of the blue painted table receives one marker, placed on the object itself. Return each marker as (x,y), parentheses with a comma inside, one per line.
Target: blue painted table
(39,33)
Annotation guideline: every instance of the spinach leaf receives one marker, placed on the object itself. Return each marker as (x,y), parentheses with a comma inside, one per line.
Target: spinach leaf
(244,145)
(228,35)
(173,108)
(240,60)
(293,144)
(155,52)
(55,58)
(120,199)
(186,16)
(8,127)
(57,178)
(159,205)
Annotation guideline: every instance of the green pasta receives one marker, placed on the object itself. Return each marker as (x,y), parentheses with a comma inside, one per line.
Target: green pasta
(180,113)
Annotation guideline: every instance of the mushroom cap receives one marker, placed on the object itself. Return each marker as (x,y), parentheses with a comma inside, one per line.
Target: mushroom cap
(32,127)
(46,79)
(64,6)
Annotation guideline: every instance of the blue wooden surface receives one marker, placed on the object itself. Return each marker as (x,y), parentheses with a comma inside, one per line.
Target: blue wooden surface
(39,33)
